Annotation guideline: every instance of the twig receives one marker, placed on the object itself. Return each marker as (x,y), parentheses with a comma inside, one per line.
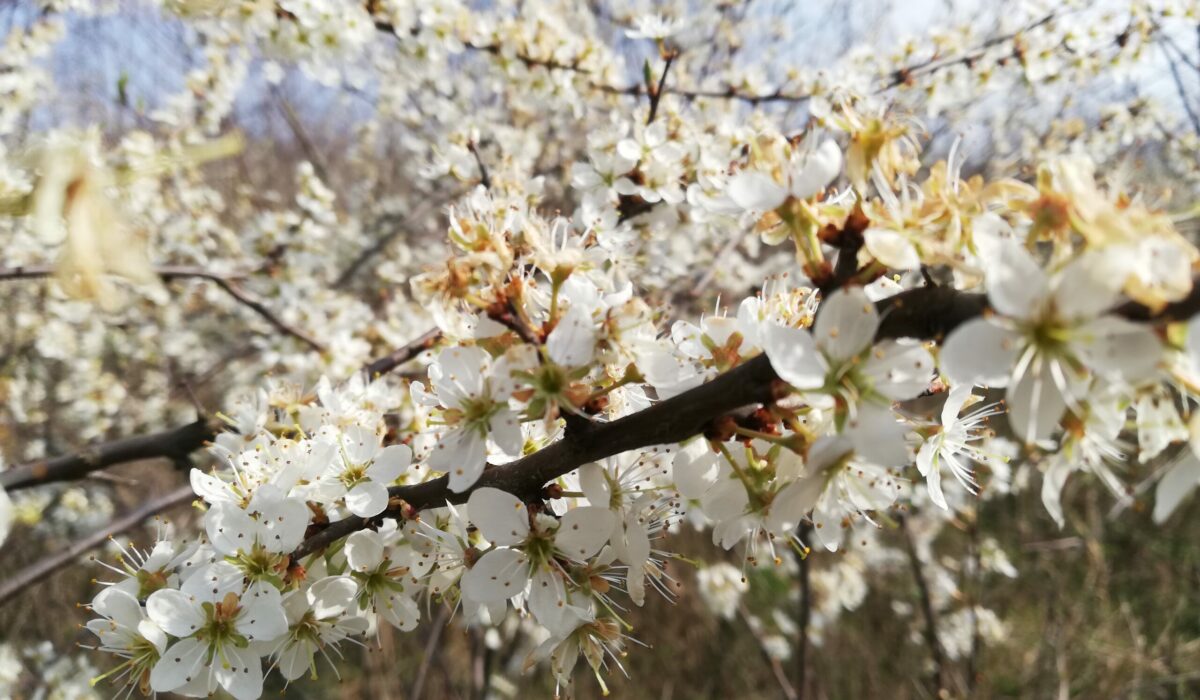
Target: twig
(23,579)
(776,668)
(293,121)
(927,612)
(234,290)
(1179,87)
(173,443)
(804,617)
(900,76)
(171,272)
(385,240)
(431,651)
(402,354)
(656,93)
(485,178)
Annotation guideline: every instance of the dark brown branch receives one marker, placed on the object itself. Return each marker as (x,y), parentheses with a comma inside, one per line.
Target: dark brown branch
(903,75)
(924,313)
(226,282)
(31,575)
(485,177)
(656,92)
(403,354)
(174,444)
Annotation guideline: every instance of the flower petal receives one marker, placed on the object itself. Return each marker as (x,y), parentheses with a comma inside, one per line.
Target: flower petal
(756,191)
(1016,285)
(979,352)
(583,531)
(498,575)
(500,516)
(846,324)
(367,499)
(793,355)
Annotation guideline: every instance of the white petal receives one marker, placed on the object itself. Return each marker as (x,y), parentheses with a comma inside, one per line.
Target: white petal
(361,444)
(296,658)
(262,620)
(1035,404)
(1052,485)
(1016,285)
(505,430)
(694,474)
(573,341)
(180,664)
(956,398)
(400,611)
(119,606)
(1179,481)
(899,371)
(213,582)
(390,464)
(846,324)
(282,524)
(1192,343)
(926,458)
(331,595)
(364,550)
(174,611)
(820,168)
(1119,349)
(892,249)
(756,191)
(793,355)
(979,352)
(547,599)
(241,674)
(230,528)
(461,453)
(726,501)
(497,576)
(7,514)
(583,531)
(594,484)
(1087,287)
(792,504)
(367,499)
(878,437)
(500,516)
(209,487)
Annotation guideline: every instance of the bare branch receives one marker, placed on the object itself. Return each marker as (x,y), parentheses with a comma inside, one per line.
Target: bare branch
(226,282)
(403,354)
(173,443)
(235,290)
(385,240)
(34,573)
